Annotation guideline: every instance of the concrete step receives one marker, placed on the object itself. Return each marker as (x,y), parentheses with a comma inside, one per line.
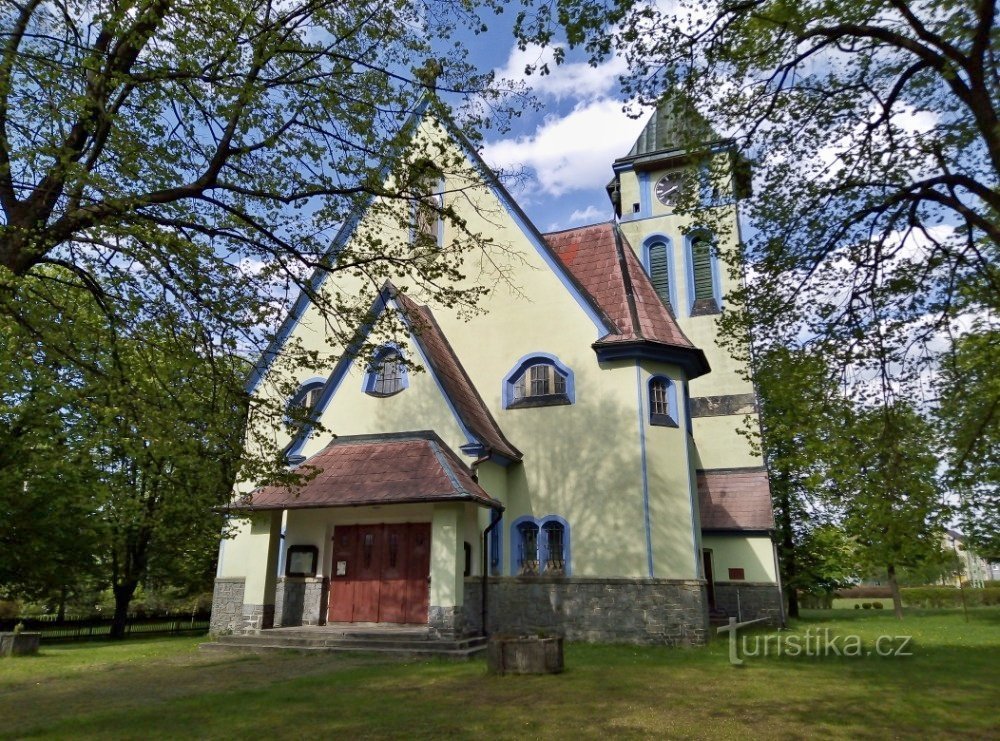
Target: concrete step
(426,650)
(368,641)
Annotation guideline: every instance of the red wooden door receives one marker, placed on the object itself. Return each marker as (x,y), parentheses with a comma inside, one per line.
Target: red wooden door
(342,575)
(380,573)
(368,574)
(395,556)
(418,569)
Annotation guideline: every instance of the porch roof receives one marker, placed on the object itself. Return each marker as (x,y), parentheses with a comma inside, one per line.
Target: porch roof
(737,499)
(401,468)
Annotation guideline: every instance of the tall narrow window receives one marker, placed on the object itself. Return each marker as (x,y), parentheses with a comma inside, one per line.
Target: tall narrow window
(496,536)
(659,271)
(705,298)
(427,224)
(662,402)
(555,554)
(527,560)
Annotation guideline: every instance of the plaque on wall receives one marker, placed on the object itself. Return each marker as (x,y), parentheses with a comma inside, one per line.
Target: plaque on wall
(301,560)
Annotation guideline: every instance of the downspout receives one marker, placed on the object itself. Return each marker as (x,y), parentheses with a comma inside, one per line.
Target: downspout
(485,547)
(485,575)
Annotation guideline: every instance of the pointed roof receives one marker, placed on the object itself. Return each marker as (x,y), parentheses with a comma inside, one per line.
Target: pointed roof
(454,379)
(675,124)
(401,468)
(602,261)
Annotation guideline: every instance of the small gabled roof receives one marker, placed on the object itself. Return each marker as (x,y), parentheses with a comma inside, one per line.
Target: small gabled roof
(601,260)
(400,468)
(736,499)
(454,379)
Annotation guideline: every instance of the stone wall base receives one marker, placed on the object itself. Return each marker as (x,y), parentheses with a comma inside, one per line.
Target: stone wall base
(299,601)
(257,618)
(448,621)
(749,600)
(641,611)
(227,606)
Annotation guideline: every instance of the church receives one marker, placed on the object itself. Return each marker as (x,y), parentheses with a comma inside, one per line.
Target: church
(568,461)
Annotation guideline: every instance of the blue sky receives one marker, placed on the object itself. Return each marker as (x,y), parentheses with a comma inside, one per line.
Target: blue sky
(566,148)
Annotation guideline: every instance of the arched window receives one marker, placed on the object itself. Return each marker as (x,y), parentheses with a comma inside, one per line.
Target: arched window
(527,548)
(703,278)
(306,398)
(387,374)
(659,268)
(427,226)
(554,542)
(540,546)
(538,380)
(662,402)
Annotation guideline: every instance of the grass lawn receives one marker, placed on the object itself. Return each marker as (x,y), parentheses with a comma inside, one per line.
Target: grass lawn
(164,688)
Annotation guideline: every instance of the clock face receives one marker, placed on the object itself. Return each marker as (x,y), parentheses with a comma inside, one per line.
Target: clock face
(668,188)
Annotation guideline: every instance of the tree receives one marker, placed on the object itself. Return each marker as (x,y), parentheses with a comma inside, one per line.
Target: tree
(120,462)
(969,414)
(205,153)
(874,134)
(801,413)
(888,490)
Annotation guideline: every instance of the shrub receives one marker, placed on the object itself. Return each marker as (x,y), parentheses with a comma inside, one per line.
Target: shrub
(863,592)
(857,606)
(877,605)
(866,605)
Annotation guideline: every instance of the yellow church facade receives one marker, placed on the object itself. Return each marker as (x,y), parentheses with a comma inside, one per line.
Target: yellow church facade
(566,461)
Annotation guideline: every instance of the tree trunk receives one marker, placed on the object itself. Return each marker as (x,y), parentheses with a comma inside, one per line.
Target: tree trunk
(897,599)
(786,552)
(61,612)
(123,598)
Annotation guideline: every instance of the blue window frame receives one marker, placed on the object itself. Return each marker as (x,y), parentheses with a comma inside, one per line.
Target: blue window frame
(538,380)
(662,402)
(704,283)
(659,263)
(540,546)
(496,545)
(387,375)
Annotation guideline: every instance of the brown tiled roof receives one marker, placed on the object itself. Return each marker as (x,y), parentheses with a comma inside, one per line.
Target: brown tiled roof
(378,469)
(608,269)
(456,382)
(735,499)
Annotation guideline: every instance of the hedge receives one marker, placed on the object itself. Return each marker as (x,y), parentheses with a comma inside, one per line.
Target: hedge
(948,597)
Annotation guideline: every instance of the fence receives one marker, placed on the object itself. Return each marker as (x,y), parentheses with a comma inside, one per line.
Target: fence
(96,628)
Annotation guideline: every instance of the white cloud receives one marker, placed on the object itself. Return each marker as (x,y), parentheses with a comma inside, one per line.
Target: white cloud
(570,80)
(590,215)
(573,152)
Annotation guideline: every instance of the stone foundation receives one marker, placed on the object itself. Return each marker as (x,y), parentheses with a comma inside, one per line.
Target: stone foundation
(448,621)
(749,600)
(641,611)
(227,606)
(299,601)
(257,618)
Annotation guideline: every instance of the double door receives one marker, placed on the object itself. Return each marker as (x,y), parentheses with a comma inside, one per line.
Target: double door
(380,573)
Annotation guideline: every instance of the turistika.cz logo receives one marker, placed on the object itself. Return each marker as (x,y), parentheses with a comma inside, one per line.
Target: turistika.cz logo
(813,643)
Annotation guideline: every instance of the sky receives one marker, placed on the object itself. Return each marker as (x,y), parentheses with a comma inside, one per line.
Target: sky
(566,147)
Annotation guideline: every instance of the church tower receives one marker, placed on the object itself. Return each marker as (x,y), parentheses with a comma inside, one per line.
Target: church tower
(682,257)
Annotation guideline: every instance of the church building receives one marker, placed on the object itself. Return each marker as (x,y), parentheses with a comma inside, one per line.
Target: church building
(568,461)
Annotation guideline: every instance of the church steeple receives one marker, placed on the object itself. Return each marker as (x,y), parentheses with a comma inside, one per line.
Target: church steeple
(676,124)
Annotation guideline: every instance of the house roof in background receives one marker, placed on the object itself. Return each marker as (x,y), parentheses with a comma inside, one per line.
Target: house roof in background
(397,468)
(735,499)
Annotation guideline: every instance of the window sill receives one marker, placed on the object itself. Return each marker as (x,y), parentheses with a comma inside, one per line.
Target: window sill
(705,307)
(548,400)
(661,420)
